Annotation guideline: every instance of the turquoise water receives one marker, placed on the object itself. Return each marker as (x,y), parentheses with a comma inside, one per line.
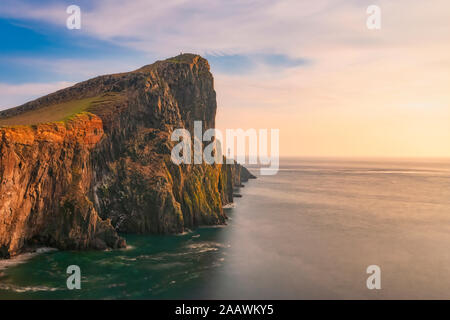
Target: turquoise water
(308,232)
(152,267)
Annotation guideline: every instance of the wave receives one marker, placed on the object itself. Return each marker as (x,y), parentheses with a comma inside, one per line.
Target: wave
(45,250)
(24,257)
(27,289)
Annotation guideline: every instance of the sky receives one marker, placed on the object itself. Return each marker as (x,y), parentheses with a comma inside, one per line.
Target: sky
(312,69)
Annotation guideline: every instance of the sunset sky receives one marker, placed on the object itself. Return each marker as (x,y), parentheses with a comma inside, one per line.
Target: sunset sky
(309,68)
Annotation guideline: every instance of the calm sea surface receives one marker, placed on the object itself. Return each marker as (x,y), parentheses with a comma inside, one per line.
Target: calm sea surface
(308,232)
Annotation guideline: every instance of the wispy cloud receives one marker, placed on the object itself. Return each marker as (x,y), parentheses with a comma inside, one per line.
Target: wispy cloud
(78,69)
(15,94)
(290,27)
(242,64)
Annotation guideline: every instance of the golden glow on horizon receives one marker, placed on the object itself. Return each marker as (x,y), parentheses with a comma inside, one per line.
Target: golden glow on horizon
(377,100)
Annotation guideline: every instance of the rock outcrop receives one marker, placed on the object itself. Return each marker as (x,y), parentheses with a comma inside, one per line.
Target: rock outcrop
(75,183)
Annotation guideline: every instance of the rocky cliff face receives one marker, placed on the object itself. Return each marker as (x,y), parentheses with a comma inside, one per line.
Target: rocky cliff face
(74,184)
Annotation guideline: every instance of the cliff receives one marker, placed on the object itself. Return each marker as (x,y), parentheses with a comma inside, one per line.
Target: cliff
(81,164)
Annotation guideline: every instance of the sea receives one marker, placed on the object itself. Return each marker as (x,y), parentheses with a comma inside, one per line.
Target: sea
(309,232)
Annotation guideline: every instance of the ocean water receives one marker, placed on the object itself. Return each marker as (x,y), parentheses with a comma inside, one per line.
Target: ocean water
(308,232)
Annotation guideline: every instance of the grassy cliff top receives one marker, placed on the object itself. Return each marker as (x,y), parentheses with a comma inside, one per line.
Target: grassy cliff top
(57,112)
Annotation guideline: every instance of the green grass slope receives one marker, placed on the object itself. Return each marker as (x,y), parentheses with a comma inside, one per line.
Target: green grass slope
(57,112)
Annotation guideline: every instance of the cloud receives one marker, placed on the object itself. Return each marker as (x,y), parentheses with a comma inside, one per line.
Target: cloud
(244,26)
(15,94)
(48,12)
(241,64)
(79,69)
(290,28)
